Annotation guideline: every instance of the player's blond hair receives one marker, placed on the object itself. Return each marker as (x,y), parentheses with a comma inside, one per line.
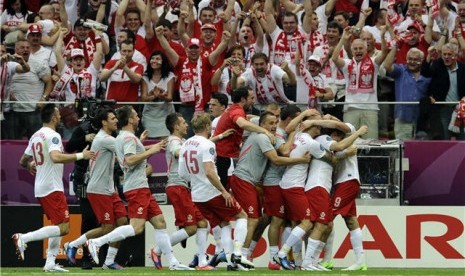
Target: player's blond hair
(200,122)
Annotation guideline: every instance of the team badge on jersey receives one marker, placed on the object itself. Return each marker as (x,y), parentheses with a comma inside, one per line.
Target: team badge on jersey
(212,151)
(55,140)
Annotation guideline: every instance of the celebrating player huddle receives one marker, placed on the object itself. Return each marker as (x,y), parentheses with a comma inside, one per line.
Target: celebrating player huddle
(294,173)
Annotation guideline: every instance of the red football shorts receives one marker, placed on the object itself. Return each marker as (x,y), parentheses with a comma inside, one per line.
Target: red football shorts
(185,211)
(273,201)
(141,204)
(216,211)
(107,208)
(343,200)
(319,201)
(55,207)
(246,195)
(296,204)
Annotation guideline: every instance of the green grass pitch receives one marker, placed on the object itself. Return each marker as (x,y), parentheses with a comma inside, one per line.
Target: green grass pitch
(139,271)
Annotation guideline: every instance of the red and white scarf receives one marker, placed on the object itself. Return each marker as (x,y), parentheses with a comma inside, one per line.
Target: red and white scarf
(82,88)
(190,83)
(327,70)
(273,89)
(433,4)
(361,76)
(316,39)
(462,29)
(284,45)
(89,48)
(308,79)
(392,16)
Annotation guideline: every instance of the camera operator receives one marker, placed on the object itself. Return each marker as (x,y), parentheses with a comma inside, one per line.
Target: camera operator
(81,137)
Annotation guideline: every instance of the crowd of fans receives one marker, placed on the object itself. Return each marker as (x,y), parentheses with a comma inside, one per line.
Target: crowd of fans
(341,57)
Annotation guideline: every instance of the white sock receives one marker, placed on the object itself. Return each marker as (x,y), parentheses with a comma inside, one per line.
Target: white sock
(245,251)
(217,236)
(163,240)
(201,240)
(175,238)
(309,253)
(52,250)
(357,245)
(329,248)
(285,234)
(79,241)
(178,237)
(296,235)
(41,234)
(316,255)
(111,254)
(116,235)
(226,240)
(297,248)
(273,251)
(240,232)
(252,246)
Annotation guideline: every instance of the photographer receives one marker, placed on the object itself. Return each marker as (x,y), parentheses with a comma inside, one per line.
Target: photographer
(82,137)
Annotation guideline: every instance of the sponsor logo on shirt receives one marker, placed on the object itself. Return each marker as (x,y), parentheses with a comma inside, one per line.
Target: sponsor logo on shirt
(251,210)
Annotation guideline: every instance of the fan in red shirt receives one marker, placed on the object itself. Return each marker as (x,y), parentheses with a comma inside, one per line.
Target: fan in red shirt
(194,72)
(123,75)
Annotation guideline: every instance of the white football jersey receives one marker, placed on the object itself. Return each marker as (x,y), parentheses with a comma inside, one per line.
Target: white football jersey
(321,170)
(196,151)
(295,175)
(49,174)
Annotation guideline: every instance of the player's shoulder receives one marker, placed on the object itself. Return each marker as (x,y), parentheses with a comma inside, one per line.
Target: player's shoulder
(323,138)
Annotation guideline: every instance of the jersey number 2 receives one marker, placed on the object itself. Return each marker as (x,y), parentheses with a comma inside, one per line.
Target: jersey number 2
(192,164)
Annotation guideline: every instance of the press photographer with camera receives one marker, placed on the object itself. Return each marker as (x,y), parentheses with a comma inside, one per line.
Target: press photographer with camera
(82,136)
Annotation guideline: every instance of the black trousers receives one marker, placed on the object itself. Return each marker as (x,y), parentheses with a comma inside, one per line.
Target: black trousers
(222,165)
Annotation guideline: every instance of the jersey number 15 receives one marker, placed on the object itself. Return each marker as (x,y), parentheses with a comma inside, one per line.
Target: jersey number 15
(192,164)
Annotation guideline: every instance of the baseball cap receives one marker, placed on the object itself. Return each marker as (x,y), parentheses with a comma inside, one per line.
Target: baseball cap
(77,53)
(416,26)
(208,26)
(193,42)
(315,58)
(34,29)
